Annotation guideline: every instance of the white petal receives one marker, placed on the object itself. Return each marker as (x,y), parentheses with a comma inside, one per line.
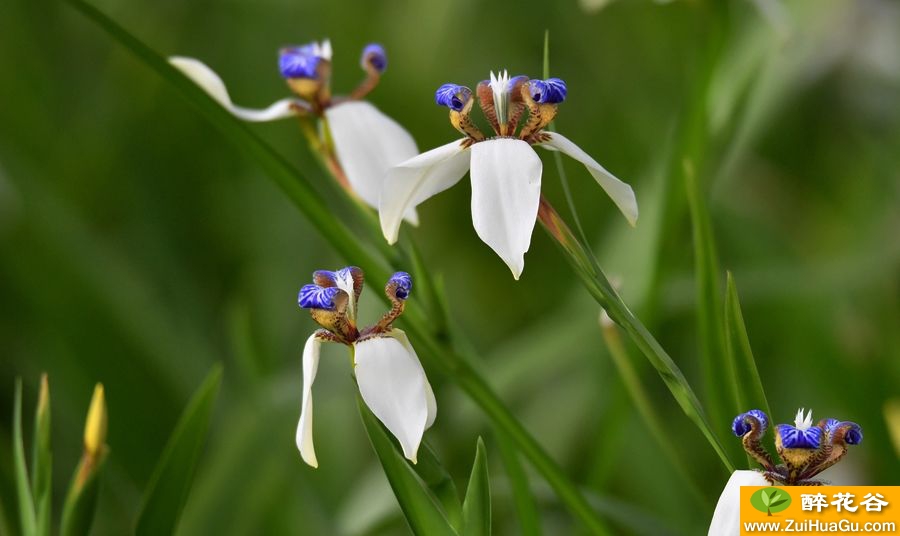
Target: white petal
(431,403)
(415,180)
(204,77)
(620,192)
(393,384)
(726,518)
(368,143)
(305,426)
(506,191)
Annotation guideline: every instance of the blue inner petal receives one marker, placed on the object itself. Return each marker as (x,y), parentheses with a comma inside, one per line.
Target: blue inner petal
(316,297)
(295,63)
(795,438)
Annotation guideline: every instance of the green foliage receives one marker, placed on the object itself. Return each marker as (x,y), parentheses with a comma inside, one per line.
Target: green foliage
(422,511)
(477,505)
(171,482)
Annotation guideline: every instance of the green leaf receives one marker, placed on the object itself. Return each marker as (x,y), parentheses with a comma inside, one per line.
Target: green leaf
(526,507)
(716,365)
(26,501)
(765,498)
(439,481)
(477,505)
(81,500)
(421,509)
(42,460)
(174,473)
(779,502)
(751,393)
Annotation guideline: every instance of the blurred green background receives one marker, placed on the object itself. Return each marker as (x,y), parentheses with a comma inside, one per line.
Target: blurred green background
(137,247)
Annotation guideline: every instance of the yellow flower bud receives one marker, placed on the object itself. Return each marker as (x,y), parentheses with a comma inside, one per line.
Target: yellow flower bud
(95,426)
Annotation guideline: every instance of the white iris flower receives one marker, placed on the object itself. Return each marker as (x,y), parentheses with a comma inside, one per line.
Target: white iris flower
(505,170)
(390,377)
(366,141)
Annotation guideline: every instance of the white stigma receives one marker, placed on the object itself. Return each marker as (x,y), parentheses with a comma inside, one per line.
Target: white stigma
(344,281)
(500,88)
(801,422)
(323,49)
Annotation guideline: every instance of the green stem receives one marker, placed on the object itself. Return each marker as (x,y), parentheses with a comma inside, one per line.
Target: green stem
(603,292)
(641,400)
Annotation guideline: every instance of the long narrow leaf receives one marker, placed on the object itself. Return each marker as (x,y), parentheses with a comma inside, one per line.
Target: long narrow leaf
(526,507)
(715,363)
(648,413)
(421,509)
(23,489)
(439,481)
(751,393)
(477,505)
(42,460)
(174,473)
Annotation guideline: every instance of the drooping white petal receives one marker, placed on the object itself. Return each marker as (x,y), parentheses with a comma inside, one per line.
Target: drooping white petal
(506,191)
(204,77)
(620,192)
(368,143)
(393,384)
(305,426)
(431,403)
(411,182)
(726,518)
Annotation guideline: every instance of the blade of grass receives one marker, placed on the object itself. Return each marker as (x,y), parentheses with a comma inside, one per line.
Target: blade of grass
(171,482)
(42,460)
(439,481)
(295,186)
(526,507)
(716,366)
(420,508)
(477,505)
(751,393)
(26,502)
(645,408)
(606,296)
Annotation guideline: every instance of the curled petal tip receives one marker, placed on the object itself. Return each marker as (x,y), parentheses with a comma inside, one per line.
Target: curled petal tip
(549,91)
(402,283)
(375,56)
(741,424)
(453,96)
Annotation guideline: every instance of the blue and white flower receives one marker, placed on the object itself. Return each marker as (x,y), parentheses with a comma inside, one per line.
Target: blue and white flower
(805,449)
(366,141)
(504,168)
(390,377)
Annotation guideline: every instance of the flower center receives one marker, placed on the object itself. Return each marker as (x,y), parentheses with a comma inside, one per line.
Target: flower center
(515,107)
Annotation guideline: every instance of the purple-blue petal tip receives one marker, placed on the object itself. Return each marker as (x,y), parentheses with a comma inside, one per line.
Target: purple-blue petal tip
(740,426)
(375,56)
(854,434)
(795,438)
(404,284)
(316,297)
(549,91)
(453,96)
